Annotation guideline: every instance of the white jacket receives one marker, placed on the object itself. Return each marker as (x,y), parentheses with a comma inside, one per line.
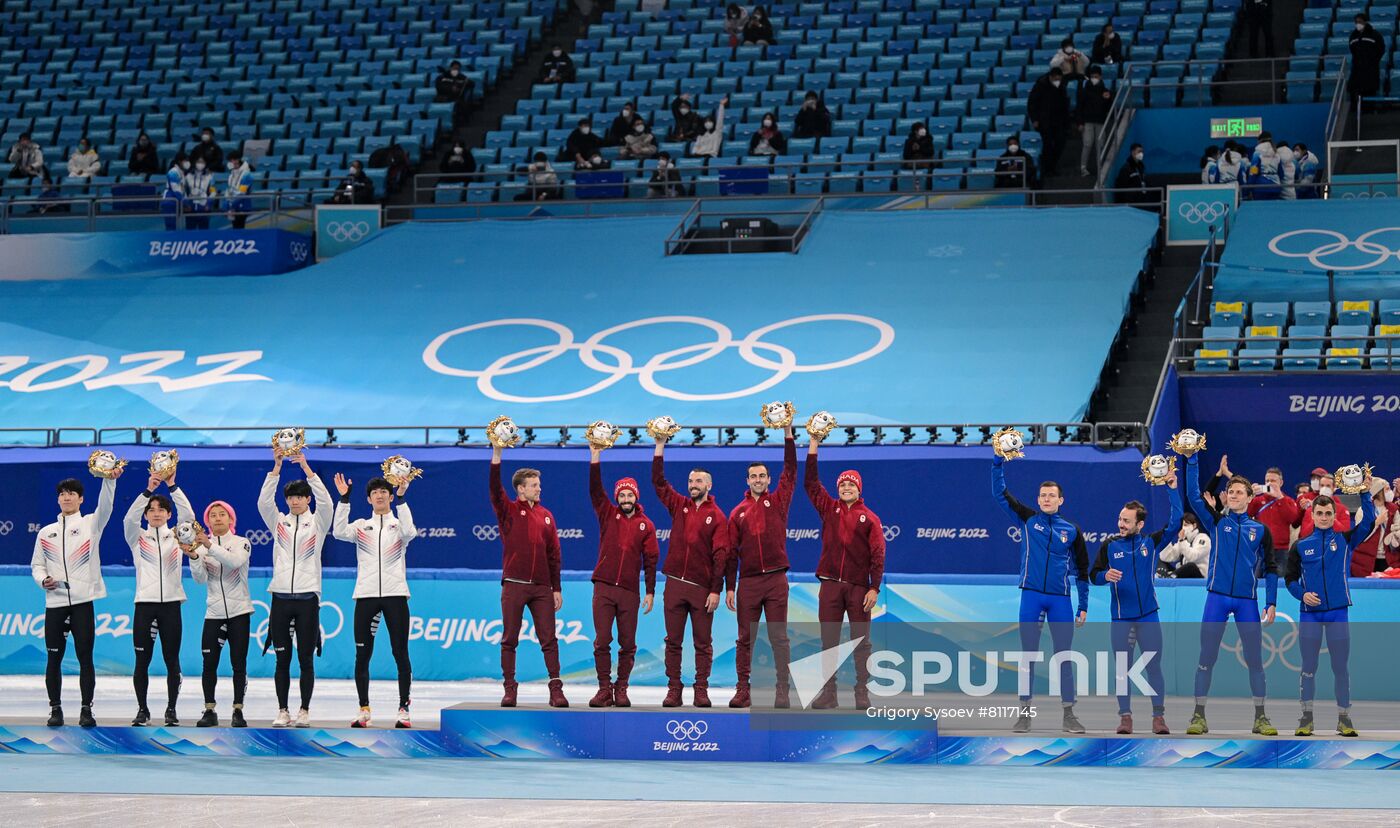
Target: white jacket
(66,550)
(380,543)
(1194,550)
(224,568)
(296,539)
(155,552)
(1287,171)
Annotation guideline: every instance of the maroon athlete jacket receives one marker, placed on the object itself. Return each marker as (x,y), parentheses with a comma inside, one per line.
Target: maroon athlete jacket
(699,535)
(529,537)
(758,525)
(626,545)
(853,541)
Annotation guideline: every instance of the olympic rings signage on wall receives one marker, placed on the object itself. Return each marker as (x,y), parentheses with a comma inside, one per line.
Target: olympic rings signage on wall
(340,227)
(1195,208)
(617,364)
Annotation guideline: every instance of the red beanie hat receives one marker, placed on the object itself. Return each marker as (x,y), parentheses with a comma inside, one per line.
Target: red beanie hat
(627,483)
(851,475)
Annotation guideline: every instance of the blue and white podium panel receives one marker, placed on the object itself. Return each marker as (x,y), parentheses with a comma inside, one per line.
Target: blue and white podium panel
(687,735)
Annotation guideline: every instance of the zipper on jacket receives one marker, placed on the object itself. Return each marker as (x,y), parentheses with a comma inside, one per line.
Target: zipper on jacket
(379,552)
(223,592)
(1326,598)
(621,558)
(296,530)
(160,565)
(63,547)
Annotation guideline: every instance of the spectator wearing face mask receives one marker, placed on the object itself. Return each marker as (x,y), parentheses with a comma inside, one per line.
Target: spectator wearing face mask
(1367,47)
(558,67)
(1320,484)
(918,153)
(27,158)
(1307,166)
(1368,556)
(355,188)
(454,87)
(142,160)
(1189,556)
(1107,46)
(1264,169)
(734,20)
(813,119)
(710,142)
(1015,167)
(208,151)
(172,201)
(458,162)
(1069,60)
(687,123)
(236,189)
(1278,512)
(84,163)
(199,186)
(768,140)
(582,147)
(621,125)
(1047,109)
(1132,178)
(1090,112)
(758,29)
(640,143)
(665,179)
(542,180)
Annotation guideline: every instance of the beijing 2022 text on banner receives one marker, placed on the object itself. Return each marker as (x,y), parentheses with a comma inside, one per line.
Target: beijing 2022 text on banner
(134,254)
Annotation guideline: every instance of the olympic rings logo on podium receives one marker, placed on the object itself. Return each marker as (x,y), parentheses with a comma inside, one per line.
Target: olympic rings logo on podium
(780,359)
(1340,243)
(1203,212)
(686,730)
(486,532)
(6,527)
(347,231)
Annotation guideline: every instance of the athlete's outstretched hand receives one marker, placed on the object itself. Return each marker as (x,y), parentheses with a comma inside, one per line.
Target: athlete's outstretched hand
(153,483)
(342,484)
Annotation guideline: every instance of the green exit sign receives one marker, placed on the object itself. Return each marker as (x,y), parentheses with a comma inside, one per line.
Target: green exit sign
(1236,127)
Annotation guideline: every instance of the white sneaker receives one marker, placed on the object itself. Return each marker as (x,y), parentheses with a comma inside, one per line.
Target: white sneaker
(303,718)
(403,721)
(362,720)
(284,719)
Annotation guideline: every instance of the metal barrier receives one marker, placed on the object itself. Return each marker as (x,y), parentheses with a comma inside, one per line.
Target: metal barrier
(1182,352)
(273,209)
(684,238)
(1109,434)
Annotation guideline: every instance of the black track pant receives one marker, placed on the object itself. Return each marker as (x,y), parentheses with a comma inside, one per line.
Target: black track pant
(394,610)
(58,623)
(304,616)
(154,618)
(216,632)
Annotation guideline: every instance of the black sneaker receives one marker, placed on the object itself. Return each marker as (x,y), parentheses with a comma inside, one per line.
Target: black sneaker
(55,716)
(171,720)
(209,719)
(143,718)
(238,720)
(85,718)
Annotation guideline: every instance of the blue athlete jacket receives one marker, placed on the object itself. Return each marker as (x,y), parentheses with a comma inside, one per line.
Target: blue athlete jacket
(1136,557)
(1321,562)
(1051,546)
(1241,547)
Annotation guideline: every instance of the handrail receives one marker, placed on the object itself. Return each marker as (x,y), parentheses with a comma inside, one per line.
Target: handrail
(1183,354)
(275,206)
(1115,128)
(1341,103)
(563,435)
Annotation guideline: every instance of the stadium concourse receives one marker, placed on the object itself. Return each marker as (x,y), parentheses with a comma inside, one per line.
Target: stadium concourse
(851,412)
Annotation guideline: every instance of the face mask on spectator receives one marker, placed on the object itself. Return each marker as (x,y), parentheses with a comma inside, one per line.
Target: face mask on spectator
(206,138)
(1095,81)
(1055,83)
(458,151)
(1013,147)
(685,110)
(1361,27)
(1069,50)
(199,166)
(1314,483)
(627,112)
(585,129)
(184,165)
(558,51)
(597,159)
(1325,490)
(639,128)
(767,123)
(709,126)
(661,165)
(1137,156)
(456,72)
(921,133)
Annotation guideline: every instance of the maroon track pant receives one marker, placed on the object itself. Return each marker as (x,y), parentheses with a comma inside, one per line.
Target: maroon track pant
(539,598)
(836,601)
(763,596)
(683,601)
(614,604)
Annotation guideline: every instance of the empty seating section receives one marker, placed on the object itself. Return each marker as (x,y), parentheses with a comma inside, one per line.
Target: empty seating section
(325,81)
(964,67)
(1323,41)
(1301,336)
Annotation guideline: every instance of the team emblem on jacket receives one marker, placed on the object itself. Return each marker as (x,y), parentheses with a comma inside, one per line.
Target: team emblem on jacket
(765,503)
(708,519)
(862,518)
(642,527)
(1064,537)
(546,520)
(1251,535)
(52,535)
(522,513)
(73,533)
